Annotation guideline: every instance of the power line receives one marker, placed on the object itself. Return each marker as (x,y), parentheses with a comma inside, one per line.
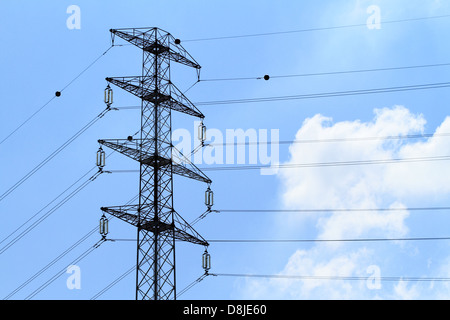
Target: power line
(116,281)
(310,240)
(313,164)
(348,139)
(86,69)
(58,93)
(62,271)
(53,154)
(329,94)
(327,240)
(331,210)
(329,73)
(47,205)
(56,198)
(188,287)
(50,212)
(27,119)
(306,30)
(133,268)
(41,271)
(68,250)
(292,240)
(325,164)
(129,271)
(313,29)
(348,278)
(330,140)
(428,86)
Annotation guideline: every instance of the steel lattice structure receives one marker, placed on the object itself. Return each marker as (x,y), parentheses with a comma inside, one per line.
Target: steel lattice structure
(158,224)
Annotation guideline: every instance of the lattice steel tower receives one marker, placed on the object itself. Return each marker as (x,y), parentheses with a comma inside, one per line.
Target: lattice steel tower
(158,224)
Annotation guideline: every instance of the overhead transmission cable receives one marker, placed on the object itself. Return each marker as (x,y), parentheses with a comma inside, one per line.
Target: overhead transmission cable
(192,284)
(72,246)
(312,240)
(50,264)
(299,31)
(418,239)
(68,250)
(129,271)
(220,38)
(333,210)
(314,29)
(332,277)
(57,94)
(62,271)
(331,94)
(267,77)
(313,164)
(49,213)
(328,94)
(57,206)
(288,240)
(116,281)
(54,154)
(45,207)
(327,164)
(133,268)
(331,140)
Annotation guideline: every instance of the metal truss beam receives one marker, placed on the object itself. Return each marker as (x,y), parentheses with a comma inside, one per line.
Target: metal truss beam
(164,45)
(176,100)
(182,167)
(158,224)
(180,228)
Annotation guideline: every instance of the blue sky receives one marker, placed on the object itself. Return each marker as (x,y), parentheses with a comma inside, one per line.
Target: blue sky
(42,55)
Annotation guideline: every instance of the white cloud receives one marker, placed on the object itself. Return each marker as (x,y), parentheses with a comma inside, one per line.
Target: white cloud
(405,291)
(367,186)
(313,264)
(428,178)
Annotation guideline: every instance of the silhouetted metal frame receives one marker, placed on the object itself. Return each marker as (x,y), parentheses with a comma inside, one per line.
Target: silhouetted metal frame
(158,224)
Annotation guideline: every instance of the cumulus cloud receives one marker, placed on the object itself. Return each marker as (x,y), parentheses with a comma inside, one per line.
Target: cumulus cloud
(394,185)
(364,186)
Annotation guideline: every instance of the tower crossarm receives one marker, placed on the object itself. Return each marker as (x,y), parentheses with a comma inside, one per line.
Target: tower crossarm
(181,166)
(187,231)
(192,173)
(183,104)
(157,41)
(177,103)
(124,213)
(181,230)
(124,147)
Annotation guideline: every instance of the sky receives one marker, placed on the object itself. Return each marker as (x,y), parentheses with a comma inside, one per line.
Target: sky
(44,51)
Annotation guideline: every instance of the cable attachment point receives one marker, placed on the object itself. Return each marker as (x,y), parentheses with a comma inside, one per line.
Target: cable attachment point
(108,96)
(202,133)
(209,198)
(198,74)
(206,261)
(104,229)
(113,36)
(101,159)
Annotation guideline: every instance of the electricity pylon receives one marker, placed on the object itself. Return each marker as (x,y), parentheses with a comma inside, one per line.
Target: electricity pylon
(158,224)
